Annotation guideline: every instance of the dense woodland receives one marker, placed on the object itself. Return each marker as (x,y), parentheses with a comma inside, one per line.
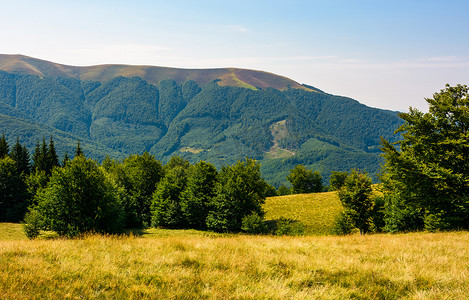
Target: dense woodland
(213,123)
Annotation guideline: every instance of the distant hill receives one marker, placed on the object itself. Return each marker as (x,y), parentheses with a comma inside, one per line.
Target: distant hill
(251,79)
(218,115)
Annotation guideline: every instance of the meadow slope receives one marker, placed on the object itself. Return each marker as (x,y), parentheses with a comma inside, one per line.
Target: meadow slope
(317,211)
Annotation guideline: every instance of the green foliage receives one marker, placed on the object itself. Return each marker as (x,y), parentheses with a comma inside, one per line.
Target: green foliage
(20,155)
(138,175)
(378,222)
(305,181)
(253,224)
(78,150)
(80,198)
(199,193)
(52,158)
(166,208)
(337,180)
(355,196)
(240,192)
(286,226)
(4,148)
(32,224)
(218,124)
(35,181)
(343,224)
(14,197)
(283,190)
(45,157)
(427,173)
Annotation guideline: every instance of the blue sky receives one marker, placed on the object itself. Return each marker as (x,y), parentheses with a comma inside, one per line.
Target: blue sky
(387,54)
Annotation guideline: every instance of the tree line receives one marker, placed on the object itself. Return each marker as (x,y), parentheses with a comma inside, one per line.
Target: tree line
(79,195)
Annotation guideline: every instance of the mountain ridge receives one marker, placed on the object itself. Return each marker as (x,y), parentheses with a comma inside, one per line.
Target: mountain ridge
(235,77)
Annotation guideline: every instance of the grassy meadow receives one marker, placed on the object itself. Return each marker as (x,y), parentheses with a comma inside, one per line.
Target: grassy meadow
(191,264)
(162,264)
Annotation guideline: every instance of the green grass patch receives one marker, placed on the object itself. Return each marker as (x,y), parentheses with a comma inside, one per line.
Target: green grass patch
(316,211)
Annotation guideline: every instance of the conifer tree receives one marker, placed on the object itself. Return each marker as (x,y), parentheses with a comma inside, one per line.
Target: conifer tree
(13,192)
(52,158)
(40,156)
(20,155)
(78,151)
(66,159)
(4,148)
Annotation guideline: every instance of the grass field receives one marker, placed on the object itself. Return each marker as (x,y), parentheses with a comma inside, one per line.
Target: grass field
(163,264)
(316,211)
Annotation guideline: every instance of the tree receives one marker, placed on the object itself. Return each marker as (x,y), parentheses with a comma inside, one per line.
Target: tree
(426,173)
(51,157)
(199,193)
(66,159)
(13,192)
(305,181)
(139,176)
(79,198)
(78,150)
(4,148)
(20,155)
(239,192)
(355,196)
(337,180)
(166,203)
(40,157)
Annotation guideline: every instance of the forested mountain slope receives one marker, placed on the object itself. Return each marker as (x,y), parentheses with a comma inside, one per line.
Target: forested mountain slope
(198,119)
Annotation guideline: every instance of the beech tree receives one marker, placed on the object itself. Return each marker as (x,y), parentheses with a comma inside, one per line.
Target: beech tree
(166,203)
(355,195)
(426,174)
(199,193)
(305,181)
(79,198)
(240,191)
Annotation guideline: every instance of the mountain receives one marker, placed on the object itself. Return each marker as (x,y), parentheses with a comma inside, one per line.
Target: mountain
(217,115)
(20,64)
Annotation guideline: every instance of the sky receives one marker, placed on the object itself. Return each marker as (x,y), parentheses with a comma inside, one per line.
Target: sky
(385,54)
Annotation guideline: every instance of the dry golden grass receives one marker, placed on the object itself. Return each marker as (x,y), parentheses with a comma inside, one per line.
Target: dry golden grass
(11,231)
(317,211)
(411,266)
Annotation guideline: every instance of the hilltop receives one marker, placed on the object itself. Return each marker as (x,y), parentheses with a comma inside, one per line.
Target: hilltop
(234,77)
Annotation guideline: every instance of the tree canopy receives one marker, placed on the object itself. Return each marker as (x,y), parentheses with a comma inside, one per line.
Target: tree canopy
(426,174)
(305,181)
(79,198)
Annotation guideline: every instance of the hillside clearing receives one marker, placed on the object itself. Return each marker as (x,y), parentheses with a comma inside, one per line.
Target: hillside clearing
(317,211)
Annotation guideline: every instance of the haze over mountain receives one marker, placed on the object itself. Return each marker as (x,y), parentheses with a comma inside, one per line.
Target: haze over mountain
(218,115)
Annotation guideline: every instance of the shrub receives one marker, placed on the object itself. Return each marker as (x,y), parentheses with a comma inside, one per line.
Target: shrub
(32,224)
(253,224)
(286,226)
(343,224)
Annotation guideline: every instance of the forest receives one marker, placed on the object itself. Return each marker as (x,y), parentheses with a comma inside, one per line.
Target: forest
(214,123)
(424,185)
